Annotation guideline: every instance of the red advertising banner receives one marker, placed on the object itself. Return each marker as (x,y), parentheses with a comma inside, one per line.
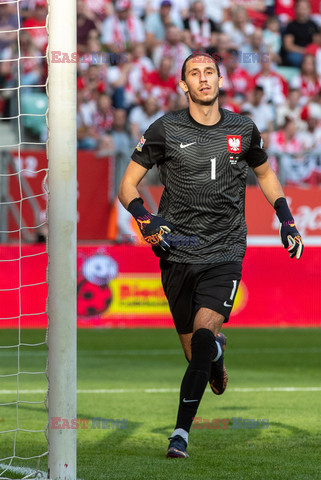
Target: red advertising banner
(305,204)
(95,185)
(119,286)
(23,287)
(95,196)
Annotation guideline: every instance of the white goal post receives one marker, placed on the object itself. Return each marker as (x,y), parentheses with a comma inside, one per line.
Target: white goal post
(62,240)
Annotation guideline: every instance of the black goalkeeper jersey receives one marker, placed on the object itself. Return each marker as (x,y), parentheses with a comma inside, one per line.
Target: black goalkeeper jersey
(204,170)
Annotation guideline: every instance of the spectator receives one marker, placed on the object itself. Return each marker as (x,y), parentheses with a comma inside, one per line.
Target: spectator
(314,49)
(156,22)
(91,83)
(179,7)
(308,81)
(174,48)
(316,11)
(99,120)
(262,113)
(199,30)
(217,11)
(224,45)
(179,102)
(254,52)
(237,81)
(285,140)
(31,63)
(274,85)
(298,34)
(123,29)
(311,136)
(84,26)
(38,19)
(290,109)
(141,117)
(284,11)
(93,53)
(255,10)
(239,29)
(8,21)
(123,144)
(227,102)
(122,138)
(97,10)
(105,146)
(161,83)
(140,66)
(124,94)
(141,8)
(297,166)
(266,137)
(272,38)
(85,140)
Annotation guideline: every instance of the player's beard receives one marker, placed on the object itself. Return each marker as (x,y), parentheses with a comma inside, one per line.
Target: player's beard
(199,101)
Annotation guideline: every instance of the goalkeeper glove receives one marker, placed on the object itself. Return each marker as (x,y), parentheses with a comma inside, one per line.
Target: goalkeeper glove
(288,231)
(153,228)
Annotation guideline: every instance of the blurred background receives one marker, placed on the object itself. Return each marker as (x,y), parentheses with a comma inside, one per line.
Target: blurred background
(129,57)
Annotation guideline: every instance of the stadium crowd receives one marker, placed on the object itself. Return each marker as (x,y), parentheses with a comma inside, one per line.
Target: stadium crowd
(129,60)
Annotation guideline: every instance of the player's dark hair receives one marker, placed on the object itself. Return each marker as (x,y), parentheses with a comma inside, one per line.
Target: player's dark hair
(198,54)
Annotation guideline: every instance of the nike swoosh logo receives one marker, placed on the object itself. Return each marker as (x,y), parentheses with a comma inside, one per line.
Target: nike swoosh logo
(226,304)
(188,401)
(186,145)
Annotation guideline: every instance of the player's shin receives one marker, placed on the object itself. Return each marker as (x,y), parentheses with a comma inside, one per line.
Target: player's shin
(204,349)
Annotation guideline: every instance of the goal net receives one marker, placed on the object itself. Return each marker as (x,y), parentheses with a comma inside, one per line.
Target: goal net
(37,268)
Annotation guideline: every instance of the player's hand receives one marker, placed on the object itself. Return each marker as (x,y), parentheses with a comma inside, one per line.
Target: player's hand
(155,230)
(289,234)
(291,237)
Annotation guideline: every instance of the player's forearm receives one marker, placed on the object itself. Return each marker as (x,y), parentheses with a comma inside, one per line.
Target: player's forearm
(270,185)
(128,185)
(126,193)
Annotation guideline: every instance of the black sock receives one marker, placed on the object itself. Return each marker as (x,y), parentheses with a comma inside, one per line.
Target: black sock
(204,349)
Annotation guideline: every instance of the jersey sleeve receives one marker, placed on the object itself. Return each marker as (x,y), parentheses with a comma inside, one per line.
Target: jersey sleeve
(256,155)
(150,149)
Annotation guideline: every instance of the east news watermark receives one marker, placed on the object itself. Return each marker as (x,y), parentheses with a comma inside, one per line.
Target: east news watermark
(199,423)
(108,58)
(234,423)
(93,423)
(173,240)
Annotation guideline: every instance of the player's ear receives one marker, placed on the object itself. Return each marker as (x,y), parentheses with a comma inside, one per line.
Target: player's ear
(220,82)
(183,86)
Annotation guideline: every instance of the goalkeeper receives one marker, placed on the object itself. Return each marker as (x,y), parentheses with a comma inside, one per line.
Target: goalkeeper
(202,154)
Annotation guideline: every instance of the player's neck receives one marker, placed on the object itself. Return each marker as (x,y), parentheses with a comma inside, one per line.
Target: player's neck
(205,114)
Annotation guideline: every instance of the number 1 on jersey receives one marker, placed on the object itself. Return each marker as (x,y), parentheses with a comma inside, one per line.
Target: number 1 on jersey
(213,169)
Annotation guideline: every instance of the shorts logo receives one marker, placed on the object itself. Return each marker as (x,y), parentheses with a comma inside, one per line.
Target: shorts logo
(140,144)
(234,143)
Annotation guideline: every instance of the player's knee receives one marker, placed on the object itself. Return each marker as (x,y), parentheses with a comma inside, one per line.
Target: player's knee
(202,336)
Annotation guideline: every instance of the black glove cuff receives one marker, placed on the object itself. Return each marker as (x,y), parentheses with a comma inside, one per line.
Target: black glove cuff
(282,210)
(136,208)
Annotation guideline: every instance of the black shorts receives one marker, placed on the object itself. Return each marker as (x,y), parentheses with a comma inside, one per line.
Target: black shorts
(189,287)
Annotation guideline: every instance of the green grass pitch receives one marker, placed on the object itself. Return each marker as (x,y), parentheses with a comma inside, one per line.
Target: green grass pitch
(274,374)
